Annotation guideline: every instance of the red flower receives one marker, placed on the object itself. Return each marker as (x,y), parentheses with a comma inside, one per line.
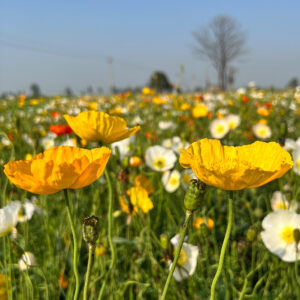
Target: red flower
(245,98)
(55,114)
(60,129)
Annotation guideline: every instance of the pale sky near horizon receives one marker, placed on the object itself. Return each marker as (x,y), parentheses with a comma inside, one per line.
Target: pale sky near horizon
(67,43)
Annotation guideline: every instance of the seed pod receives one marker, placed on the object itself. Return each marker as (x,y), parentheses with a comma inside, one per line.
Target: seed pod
(90,229)
(194,195)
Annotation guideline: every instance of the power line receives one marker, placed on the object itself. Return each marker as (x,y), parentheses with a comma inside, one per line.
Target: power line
(18,46)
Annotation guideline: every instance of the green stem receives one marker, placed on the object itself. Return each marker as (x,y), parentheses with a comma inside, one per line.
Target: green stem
(88,271)
(75,268)
(223,250)
(111,245)
(178,250)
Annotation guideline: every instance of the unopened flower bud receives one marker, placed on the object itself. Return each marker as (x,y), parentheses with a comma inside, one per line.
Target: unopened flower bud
(258,212)
(125,162)
(90,229)
(194,195)
(296,234)
(164,241)
(251,234)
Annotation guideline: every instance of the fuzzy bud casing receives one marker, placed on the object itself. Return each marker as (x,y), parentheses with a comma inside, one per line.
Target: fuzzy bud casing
(194,195)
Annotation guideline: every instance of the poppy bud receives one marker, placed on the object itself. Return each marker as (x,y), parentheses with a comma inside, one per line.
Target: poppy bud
(296,234)
(164,241)
(90,229)
(251,234)
(194,195)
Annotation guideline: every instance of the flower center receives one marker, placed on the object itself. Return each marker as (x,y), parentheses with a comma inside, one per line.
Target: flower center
(159,163)
(287,234)
(220,129)
(182,258)
(262,132)
(232,125)
(298,163)
(186,178)
(173,181)
(281,205)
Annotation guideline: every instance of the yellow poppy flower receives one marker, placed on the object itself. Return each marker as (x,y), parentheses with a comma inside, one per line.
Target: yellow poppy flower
(138,199)
(200,111)
(58,168)
(98,126)
(236,168)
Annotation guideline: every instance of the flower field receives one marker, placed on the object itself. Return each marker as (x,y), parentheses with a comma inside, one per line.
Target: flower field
(151,196)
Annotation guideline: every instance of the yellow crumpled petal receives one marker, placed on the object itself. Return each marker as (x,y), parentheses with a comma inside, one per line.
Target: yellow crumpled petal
(236,168)
(98,126)
(58,168)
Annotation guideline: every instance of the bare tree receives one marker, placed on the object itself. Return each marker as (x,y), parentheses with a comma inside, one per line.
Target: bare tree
(221,42)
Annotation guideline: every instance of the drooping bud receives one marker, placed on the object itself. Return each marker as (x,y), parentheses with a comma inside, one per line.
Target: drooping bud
(194,195)
(90,229)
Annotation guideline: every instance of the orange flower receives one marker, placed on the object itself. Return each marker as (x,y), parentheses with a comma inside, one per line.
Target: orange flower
(58,168)
(236,168)
(159,101)
(207,221)
(262,111)
(135,161)
(63,282)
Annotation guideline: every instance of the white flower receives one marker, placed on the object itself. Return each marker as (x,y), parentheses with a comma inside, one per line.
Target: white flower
(218,128)
(69,142)
(186,176)
(48,141)
(136,121)
(290,144)
(175,143)
(124,147)
(27,210)
(241,91)
(164,125)
(171,181)
(251,84)
(26,261)
(9,217)
(278,234)
(278,202)
(28,139)
(159,158)
(187,262)
(233,121)
(5,141)
(262,131)
(296,159)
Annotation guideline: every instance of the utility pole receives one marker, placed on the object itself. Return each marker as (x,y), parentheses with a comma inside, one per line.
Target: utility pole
(110,61)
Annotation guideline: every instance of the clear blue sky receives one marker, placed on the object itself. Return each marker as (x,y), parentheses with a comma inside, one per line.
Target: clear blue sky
(67,43)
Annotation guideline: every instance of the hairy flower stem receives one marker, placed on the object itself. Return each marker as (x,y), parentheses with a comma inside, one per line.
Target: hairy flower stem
(223,250)
(111,245)
(75,250)
(188,216)
(88,271)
